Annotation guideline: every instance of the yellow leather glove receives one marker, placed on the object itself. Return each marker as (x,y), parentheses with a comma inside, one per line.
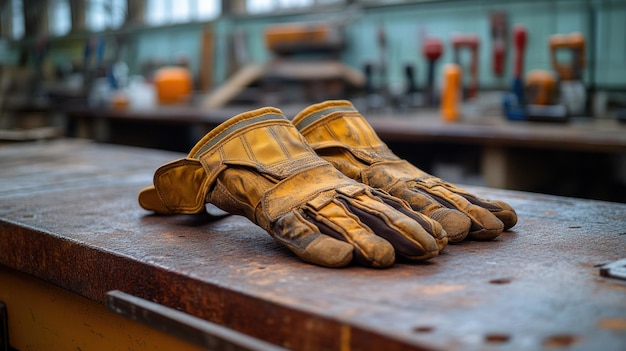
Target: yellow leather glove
(342,136)
(258,165)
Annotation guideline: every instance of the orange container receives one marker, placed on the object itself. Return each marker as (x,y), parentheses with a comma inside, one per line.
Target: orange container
(540,88)
(451,92)
(173,85)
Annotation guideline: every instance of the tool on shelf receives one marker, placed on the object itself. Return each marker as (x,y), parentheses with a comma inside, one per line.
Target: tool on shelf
(432,50)
(533,97)
(383,49)
(411,97)
(373,98)
(498,24)
(571,87)
(471,42)
(514,103)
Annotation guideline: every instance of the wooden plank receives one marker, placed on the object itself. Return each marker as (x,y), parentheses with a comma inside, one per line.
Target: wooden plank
(207,59)
(69,215)
(233,86)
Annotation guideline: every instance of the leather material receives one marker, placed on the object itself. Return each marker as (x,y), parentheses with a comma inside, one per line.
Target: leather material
(259,166)
(342,136)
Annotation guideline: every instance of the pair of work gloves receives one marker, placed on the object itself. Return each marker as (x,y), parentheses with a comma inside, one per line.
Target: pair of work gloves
(325,186)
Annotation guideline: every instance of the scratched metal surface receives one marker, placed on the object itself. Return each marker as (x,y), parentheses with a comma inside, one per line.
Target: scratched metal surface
(69,215)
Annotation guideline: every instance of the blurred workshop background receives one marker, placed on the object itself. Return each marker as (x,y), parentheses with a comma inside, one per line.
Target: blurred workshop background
(520,94)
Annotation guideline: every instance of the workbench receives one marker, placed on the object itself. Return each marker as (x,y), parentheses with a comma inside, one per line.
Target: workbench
(70,221)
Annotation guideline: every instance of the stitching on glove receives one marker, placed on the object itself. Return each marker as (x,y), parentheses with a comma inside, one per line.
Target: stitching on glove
(327,177)
(222,198)
(303,122)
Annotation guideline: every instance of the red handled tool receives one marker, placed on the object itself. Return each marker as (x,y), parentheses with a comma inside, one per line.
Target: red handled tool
(432,50)
(498,21)
(514,103)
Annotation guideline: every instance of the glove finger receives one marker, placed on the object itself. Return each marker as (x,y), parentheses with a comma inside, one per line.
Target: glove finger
(431,225)
(335,220)
(306,241)
(413,237)
(500,209)
(485,225)
(456,224)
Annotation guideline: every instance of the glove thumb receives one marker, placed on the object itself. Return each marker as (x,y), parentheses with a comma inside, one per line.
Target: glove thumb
(179,187)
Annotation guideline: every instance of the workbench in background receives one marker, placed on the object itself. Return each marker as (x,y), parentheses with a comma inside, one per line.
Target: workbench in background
(71,228)
(584,157)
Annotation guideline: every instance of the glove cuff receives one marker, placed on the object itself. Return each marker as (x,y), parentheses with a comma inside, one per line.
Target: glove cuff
(316,112)
(181,186)
(233,124)
(338,124)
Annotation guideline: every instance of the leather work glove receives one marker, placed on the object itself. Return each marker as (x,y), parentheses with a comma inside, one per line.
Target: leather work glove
(258,165)
(342,136)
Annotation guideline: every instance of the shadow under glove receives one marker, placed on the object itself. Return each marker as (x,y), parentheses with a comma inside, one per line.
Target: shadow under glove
(342,136)
(258,165)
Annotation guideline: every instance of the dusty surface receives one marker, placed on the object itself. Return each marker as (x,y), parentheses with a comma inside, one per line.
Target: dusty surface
(69,215)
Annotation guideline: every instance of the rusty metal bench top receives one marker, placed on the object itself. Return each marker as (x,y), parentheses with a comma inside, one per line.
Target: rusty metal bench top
(69,215)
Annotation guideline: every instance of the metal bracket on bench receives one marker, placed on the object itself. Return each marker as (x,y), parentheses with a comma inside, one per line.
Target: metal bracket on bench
(182,325)
(615,269)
